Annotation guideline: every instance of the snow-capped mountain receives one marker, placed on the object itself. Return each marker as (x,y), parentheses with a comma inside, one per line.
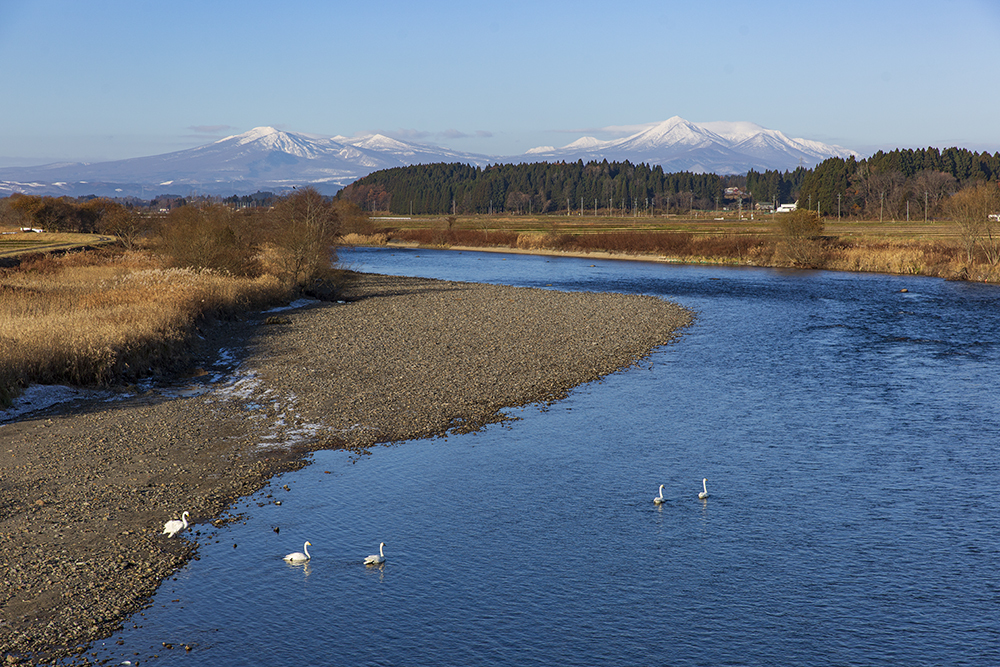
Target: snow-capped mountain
(262,159)
(268,159)
(680,145)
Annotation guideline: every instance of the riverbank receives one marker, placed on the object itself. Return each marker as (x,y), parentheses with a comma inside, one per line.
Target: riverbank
(933,250)
(87,485)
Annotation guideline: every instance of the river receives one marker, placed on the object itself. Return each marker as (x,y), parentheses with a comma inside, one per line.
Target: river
(848,426)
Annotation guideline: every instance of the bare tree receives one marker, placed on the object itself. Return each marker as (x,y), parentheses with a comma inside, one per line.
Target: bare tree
(931,187)
(971,208)
(304,227)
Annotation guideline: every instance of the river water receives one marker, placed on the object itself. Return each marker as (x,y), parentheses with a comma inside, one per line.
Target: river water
(849,431)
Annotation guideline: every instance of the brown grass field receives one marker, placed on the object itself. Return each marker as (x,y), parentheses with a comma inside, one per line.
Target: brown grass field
(14,243)
(932,248)
(708,224)
(97,317)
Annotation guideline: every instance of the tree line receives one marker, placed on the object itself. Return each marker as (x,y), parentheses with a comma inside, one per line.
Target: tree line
(291,239)
(900,184)
(550,187)
(888,185)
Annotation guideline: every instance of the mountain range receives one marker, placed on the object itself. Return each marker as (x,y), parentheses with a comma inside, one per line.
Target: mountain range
(268,159)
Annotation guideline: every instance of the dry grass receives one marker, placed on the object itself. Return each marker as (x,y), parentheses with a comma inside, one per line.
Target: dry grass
(930,249)
(14,243)
(95,318)
(364,239)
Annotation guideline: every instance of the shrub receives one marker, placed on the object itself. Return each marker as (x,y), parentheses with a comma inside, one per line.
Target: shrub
(210,237)
(800,224)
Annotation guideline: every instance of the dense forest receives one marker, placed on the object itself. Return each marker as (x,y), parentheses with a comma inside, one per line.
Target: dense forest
(893,185)
(900,184)
(543,187)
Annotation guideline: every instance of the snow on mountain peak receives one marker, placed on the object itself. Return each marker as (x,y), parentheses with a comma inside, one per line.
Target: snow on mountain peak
(586,142)
(380,142)
(250,135)
(674,131)
(735,131)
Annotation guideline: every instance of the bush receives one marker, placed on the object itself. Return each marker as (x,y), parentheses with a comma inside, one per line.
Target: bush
(210,237)
(800,224)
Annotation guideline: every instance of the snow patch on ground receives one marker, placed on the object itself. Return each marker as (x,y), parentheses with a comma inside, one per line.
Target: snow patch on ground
(277,417)
(298,303)
(38,397)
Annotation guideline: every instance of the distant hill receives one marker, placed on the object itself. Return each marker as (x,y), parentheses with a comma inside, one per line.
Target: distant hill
(268,159)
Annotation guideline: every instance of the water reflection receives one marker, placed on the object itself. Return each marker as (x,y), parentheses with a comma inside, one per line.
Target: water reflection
(305,566)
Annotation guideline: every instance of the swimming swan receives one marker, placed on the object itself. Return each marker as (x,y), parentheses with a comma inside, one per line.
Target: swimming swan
(298,556)
(376,560)
(174,526)
(704,493)
(659,499)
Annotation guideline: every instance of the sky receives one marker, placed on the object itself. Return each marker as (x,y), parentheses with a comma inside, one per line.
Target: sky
(105,80)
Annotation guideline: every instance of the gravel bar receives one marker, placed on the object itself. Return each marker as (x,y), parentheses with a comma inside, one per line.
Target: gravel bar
(86,486)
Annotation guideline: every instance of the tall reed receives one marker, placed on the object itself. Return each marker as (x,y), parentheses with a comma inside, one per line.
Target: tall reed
(96,318)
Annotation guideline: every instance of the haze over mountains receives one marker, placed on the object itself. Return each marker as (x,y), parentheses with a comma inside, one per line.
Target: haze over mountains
(268,159)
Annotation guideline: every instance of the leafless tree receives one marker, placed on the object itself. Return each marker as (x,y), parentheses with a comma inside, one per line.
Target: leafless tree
(971,208)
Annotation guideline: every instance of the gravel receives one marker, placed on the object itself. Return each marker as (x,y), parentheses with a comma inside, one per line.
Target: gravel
(86,486)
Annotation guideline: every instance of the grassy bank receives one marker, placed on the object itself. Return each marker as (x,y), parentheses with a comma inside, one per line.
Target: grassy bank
(14,243)
(101,316)
(912,248)
(98,317)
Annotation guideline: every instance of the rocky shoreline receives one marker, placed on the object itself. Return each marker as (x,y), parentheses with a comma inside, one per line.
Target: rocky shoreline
(87,485)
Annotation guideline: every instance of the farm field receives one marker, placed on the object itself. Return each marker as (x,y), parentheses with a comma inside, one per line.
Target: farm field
(709,224)
(14,243)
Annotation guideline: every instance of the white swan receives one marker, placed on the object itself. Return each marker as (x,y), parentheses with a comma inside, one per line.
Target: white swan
(704,492)
(298,556)
(660,499)
(376,559)
(174,526)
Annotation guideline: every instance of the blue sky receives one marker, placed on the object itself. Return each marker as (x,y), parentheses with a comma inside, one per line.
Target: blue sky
(102,80)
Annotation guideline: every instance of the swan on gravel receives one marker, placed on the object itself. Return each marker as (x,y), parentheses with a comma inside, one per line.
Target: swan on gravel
(172,527)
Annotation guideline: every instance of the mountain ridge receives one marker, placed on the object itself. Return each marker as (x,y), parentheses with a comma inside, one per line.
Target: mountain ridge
(266,158)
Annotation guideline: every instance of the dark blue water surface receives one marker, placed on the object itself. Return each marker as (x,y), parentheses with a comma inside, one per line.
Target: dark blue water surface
(849,432)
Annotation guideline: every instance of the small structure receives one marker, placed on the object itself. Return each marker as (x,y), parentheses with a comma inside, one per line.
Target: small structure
(787,208)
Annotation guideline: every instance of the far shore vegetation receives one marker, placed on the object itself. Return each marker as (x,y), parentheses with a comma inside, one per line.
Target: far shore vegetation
(97,292)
